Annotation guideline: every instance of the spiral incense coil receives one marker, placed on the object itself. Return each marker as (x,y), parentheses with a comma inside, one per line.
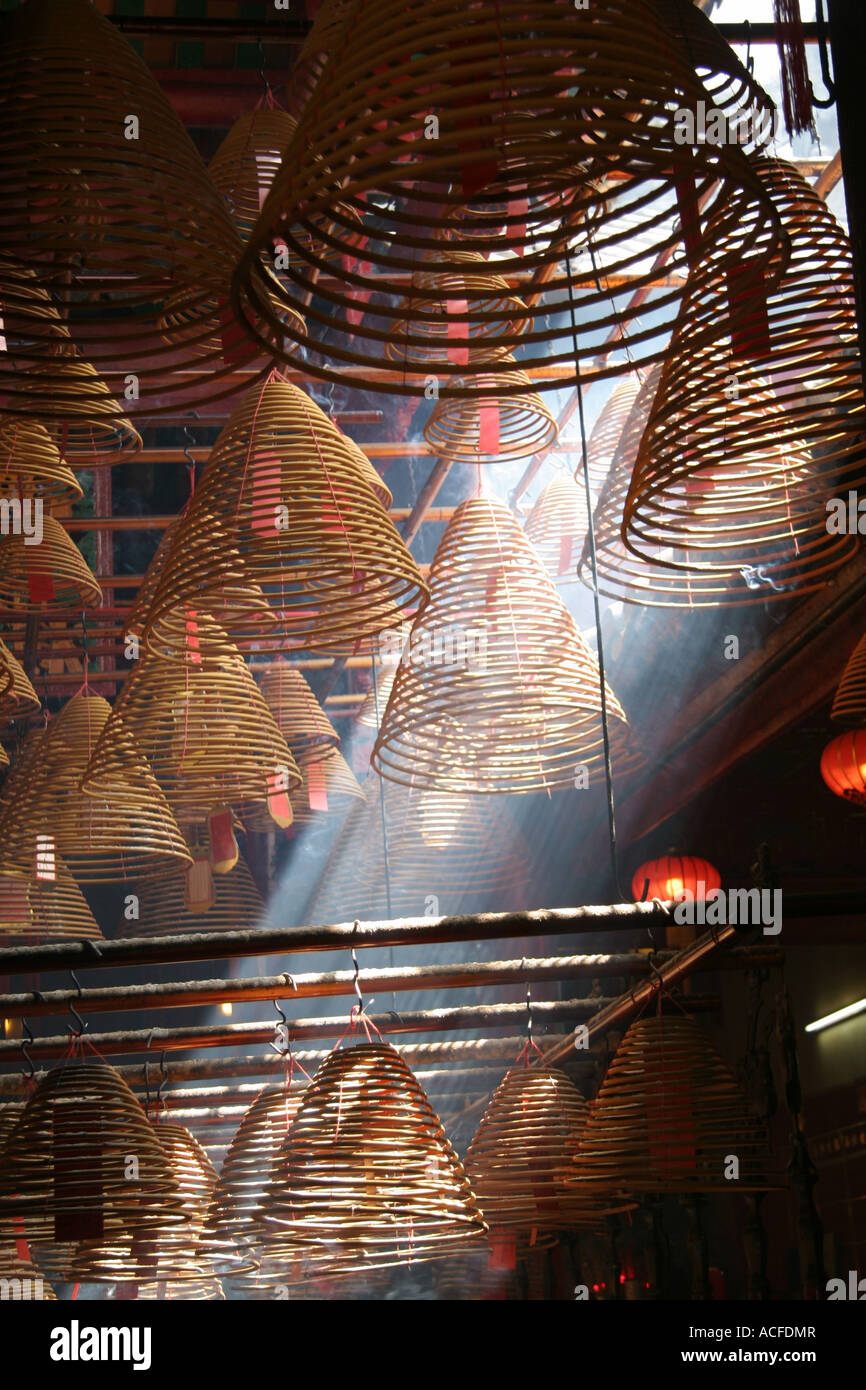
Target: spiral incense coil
(489,428)
(497,690)
(101,183)
(299,514)
(607,431)
(376,699)
(557,526)
(126,831)
(412,127)
(328,26)
(17,696)
(50,573)
(66,1174)
(203,727)
(365,1177)
(849,702)
(669,1117)
(522,1154)
(178,1246)
(378,484)
(187,1290)
(469,1278)
(165,909)
(780,391)
(298,715)
(31,465)
(20,1280)
(33,910)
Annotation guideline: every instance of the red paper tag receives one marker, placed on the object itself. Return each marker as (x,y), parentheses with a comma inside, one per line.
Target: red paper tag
(488,429)
(198,891)
(518,208)
(40,585)
(317,791)
(749,317)
(77,1163)
(2,334)
(267,487)
(223,845)
(22,1249)
(565,546)
(192,643)
(233,338)
(503,1251)
(279,805)
(458,327)
(671,1125)
(690,220)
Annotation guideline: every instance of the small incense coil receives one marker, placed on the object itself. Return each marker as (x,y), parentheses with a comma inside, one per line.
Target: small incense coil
(607,431)
(514,703)
(521,1157)
(492,323)
(31,465)
(298,715)
(127,831)
(34,909)
(376,699)
(608,163)
(52,573)
(203,726)
(365,1177)
(17,696)
(168,907)
(491,428)
(337,572)
(849,702)
(20,1280)
(668,1117)
(66,1175)
(130,206)
(557,526)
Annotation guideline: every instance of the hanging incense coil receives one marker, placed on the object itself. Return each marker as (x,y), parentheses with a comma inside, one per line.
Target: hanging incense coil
(522,1155)
(17,696)
(328,787)
(331,19)
(203,727)
(20,1280)
(849,702)
(95,198)
(53,572)
(126,831)
(298,715)
(178,1247)
(365,1177)
(31,465)
(668,1117)
(491,428)
(299,515)
(66,1175)
(184,905)
(608,429)
(188,1290)
(376,699)
(494,319)
(557,525)
(497,691)
(50,907)
(779,393)
(610,164)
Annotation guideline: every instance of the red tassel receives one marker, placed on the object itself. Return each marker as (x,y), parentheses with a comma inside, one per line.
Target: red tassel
(796,88)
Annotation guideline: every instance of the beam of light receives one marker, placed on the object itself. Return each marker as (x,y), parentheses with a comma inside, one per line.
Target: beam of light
(838,1016)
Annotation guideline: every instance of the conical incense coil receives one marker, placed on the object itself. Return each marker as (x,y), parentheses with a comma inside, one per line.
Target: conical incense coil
(103,184)
(67,1175)
(849,702)
(522,1155)
(46,905)
(376,699)
(17,696)
(557,525)
(20,1280)
(299,514)
(494,320)
(490,428)
(177,1247)
(607,431)
(797,340)
(298,715)
(31,465)
(670,1117)
(413,126)
(328,787)
(497,690)
(365,1177)
(201,901)
(126,831)
(377,483)
(204,728)
(35,575)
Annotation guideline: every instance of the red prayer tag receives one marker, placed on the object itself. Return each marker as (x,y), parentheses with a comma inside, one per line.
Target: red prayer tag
(40,585)
(192,642)
(233,338)
(77,1171)
(671,1126)
(690,219)
(565,547)
(223,845)
(279,805)
(317,792)
(13,900)
(488,429)
(503,1251)
(749,317)
(22,1249)
(458,327)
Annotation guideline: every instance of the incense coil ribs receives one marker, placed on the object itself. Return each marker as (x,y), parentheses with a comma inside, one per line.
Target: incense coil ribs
(51,572)
(491,427)
(328,26)
(557,526)
(747,439)
(188,1290)
(212,902)
(126,831)
(365,1177)
(177,1248)
(470,1278)
(20,1280)
(606,433)
(203,727)
(369,716)
(31,465)
(377,483)
(84,1208)
(300,519)
(130,205)
(17,696)
(35,909)
(849,702)
(579,176)
(670,1117)
(517,706)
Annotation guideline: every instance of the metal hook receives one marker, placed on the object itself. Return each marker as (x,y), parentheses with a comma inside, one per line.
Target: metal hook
(162,1082)
(146,1088)
(82,1025)
(284,1024)
(750,61)
(823,57)
(356,981)
(262,73)
(25,1044)
(528,1011)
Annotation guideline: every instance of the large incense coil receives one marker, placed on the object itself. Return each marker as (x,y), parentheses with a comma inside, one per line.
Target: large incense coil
(34,909)
(668,1117)
(365,1177)
(497,690)
(557,525)
(489,428)
(606,433)
(126,831)
(522,1155)
(337,571)
(610,161)
(88,196)
(30,464)
(17,696)
(376,699)
(66,1175)
(203,726)
(168,907)
(299,717)
(783,379)
(20,1280)
(493,321)
(51,573)
(849,702)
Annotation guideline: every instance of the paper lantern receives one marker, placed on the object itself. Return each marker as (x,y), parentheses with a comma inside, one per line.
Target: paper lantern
(843,766)
(416,122)
(849,702)
(491,427)
(557,525)
(49,573)
(668,877)
(365,1177)
(670,1117)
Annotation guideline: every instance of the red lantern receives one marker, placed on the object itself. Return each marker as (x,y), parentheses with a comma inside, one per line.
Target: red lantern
(843,766)
(674,874)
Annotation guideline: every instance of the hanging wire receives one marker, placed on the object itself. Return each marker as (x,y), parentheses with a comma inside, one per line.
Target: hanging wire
(374,653)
